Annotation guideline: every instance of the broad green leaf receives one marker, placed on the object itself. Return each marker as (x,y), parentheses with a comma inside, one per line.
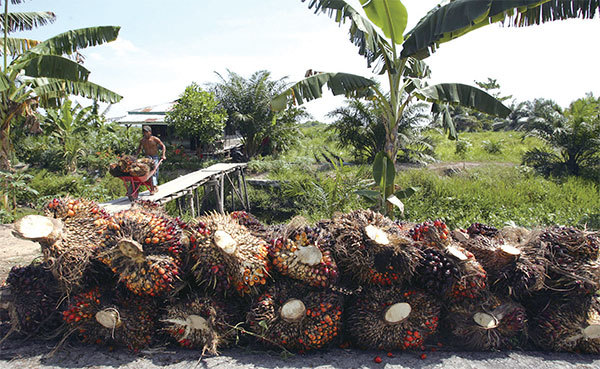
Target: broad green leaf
(70,41)
(454,19)
(5,82)
(51,66)
(17,46)
(384,172)
(389,15)
(311,88)
(556,10)
(464,95)
(371,44)
(407,192)
(371,195)
(51,88)
(26,21)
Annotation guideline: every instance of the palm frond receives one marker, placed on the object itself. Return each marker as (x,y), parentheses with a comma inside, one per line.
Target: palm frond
(50,66)
(17,46)
(70,41)
(555,10)
(453,19)
(52,88)
(311,88)
(25,21)
(371,44)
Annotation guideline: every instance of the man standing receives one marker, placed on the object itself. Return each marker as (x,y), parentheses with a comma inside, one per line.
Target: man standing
(151,144)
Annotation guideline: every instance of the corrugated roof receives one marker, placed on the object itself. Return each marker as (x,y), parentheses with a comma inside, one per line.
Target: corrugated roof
(154,114)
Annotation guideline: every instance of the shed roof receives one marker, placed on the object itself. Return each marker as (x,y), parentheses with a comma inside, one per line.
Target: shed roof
(149,115)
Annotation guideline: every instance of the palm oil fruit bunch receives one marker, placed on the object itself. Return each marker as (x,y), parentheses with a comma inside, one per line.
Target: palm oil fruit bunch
(251,222)
(371,250)
(302,256)
(572,267)
(494,255)
(225,254)
(71,235)
(567,243)
(482,229)
(197,322)
(436,272)
(431,233)
(523,277)
(32,298)
(489,323)
(296,317)
(568,327)
(143,249)
(392,318)
(112,317)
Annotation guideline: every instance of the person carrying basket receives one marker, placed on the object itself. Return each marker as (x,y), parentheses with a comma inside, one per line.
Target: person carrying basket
(151,144)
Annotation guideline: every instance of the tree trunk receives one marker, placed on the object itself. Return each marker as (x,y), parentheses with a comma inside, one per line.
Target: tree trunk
(5,149)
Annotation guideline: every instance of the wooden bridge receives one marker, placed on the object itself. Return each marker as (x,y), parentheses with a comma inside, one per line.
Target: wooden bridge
(214,178)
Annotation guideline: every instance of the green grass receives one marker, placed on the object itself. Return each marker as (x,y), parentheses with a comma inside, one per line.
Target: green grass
(496,195)
(511,146)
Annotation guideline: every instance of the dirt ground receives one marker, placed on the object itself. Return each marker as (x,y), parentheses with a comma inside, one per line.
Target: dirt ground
(14,250)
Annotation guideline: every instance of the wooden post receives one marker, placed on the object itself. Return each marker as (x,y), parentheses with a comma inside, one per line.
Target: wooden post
(192,203)
(232,195)
(221,204)
(245,191)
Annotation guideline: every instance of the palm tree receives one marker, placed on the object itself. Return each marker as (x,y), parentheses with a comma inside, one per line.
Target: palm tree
(247,102)
(39,73)
(574,139)
(359,125)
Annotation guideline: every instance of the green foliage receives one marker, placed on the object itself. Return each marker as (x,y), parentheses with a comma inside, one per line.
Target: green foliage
(197,114)
(461,147)
(495,195)
(493,147)
(360,127)
(573,138)
(248,105)
(13,186)
(513,146)
(316,195)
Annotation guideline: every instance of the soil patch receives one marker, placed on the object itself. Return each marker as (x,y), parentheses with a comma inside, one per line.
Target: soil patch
(15,250)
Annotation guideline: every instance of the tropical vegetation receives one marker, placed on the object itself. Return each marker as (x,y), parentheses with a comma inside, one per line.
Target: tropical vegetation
(247,102)
(39,74)
(197,115)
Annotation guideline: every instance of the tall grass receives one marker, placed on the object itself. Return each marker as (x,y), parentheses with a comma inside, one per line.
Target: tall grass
(497,195)
(499,147)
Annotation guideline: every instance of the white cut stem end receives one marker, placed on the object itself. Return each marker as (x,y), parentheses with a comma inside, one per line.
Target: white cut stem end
(39,228)
(397,313)
(485,320)
(309,255)
(293,310)
(377,235)
(225,242)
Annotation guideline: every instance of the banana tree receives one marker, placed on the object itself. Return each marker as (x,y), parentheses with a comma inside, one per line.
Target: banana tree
(40,73)
(381,39)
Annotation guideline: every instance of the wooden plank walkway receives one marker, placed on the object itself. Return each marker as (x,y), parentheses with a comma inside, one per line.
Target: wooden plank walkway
(185,185)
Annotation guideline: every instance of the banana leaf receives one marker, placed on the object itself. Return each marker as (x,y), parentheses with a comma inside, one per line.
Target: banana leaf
(311,88)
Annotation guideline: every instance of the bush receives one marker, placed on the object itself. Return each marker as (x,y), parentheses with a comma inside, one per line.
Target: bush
(493,147)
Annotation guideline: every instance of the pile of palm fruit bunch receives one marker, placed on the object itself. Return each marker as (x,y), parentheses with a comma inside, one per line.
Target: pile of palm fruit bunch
(140,278)
(129,165)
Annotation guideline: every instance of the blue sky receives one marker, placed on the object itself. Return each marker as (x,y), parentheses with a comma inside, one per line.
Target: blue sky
(165,46)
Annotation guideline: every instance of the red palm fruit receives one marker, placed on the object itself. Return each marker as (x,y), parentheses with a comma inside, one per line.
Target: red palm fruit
(303,254)
(392,318)
(489,323)
(112,317)
(370,249)
(227,256)
(296,317)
